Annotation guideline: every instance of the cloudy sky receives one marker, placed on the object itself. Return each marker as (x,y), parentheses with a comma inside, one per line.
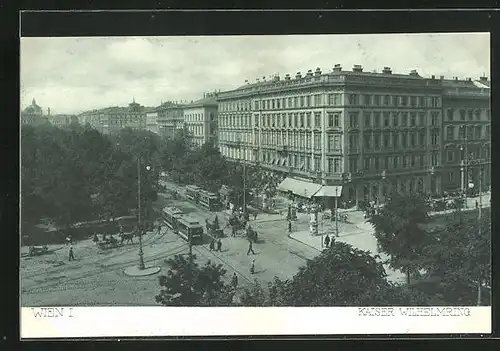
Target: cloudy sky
(71,75)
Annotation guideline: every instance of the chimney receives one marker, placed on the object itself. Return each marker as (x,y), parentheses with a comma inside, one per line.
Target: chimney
(287,77)
(357,68)
(337,67)
(309,73)
(455,78)
(317,72)
(387,70)
(413,72)
(433,77)
(483,79)
(48,111)
(298,75)
(276,78)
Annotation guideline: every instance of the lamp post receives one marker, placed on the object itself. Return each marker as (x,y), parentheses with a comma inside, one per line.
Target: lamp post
(336,210)
(139,225)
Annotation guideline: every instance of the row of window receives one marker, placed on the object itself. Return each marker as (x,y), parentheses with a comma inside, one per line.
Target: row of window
(334,119)
(333,99)
(473,132)
(303,162)
(380,163)
(453,154)
(193,117)
(393,140)
(470,115)
(196,130)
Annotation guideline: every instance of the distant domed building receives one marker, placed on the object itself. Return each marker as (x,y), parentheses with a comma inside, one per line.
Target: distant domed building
(33,115)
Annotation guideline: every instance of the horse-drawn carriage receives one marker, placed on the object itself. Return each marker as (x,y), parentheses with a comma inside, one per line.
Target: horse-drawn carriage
(38,250)
(109,243)
(213,228)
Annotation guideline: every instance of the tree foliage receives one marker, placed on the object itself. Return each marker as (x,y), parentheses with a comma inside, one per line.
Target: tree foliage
(77,174)
(191,285)
(460,255)
(401,233)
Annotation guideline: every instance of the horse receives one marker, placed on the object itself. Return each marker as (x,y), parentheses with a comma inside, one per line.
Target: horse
(127,237)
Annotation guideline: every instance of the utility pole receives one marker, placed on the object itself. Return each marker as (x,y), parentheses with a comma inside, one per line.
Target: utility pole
(139,228)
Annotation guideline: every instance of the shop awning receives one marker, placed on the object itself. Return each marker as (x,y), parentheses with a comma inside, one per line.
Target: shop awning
(299,187)
(329,191)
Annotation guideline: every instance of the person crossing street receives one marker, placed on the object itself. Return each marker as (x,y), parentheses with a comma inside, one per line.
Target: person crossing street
(71,255)
(219,245)
(250,247)
(234,281)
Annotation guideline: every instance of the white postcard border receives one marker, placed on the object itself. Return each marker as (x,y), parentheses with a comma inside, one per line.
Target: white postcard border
(87,322)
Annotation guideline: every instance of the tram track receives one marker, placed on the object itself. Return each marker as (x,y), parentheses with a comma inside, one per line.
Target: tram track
(64,285)
(151,240)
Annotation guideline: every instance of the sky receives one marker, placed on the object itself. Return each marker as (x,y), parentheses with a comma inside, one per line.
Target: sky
(72,75)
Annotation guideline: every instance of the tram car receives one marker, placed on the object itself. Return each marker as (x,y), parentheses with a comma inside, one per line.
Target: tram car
(209,200)
(189,229)
(170,216)
(193,192)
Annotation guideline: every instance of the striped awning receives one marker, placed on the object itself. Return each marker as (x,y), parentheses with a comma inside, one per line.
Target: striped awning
(299,187)
(329,191)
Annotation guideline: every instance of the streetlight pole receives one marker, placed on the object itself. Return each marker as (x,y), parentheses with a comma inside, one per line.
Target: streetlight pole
(244,189)
(141,253)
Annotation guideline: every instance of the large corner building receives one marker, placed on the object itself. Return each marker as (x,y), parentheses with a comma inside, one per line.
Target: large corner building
(367,132)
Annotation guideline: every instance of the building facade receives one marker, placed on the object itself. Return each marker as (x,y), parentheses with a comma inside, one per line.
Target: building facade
(170,118)
(368,132)
(467,134)
(152,121)
(200,118)
(112,119)
(33,115)
(61,120)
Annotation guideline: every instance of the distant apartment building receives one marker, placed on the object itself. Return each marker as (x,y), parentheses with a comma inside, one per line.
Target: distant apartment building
(200,118)
(467,133)
(112,119)
(33,115)
(61,120)
(367,132)
(170,118)
(152,121)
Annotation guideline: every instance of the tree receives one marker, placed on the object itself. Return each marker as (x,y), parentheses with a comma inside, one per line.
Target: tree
(461,256)
(191,285)
(254,296)
(400,232)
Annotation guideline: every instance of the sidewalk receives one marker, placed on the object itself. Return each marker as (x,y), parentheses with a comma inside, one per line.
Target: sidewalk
(362,240)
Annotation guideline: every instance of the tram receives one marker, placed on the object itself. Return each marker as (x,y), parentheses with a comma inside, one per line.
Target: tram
(170,216)
(209,200)
(189,229)
(192,192)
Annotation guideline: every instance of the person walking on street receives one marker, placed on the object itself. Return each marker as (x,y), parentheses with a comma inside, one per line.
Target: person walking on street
(71,255)
(477,205)
(219,245)
(234,281)
(327,240)
(252,267)
(289,226)
(233,231)
(212,245)
(250,247)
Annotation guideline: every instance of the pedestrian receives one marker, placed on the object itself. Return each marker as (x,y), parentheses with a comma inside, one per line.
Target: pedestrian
(219,245)
(96,239)
(234,281)
(252,267)
(212,244)
(71,255)
(255,216)
(159,228)
(233,231)
(289,226)
(250,247)
(477,205)
(327,240)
